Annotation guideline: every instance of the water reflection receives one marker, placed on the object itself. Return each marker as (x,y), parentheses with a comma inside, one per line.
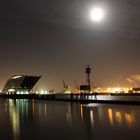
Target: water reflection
(110,116)
(14,118)
(130,119)
(23,111)
(118,118)
(69,114)
(18,113)
(30,119)
(91,118)
(81,112)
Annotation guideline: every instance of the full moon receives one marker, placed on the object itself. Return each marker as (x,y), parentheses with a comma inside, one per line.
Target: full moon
(96,14)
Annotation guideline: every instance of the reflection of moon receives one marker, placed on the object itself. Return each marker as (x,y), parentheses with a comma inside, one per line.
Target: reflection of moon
(96,14)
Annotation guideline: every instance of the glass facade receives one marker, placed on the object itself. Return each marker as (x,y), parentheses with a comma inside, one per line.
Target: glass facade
(20,84)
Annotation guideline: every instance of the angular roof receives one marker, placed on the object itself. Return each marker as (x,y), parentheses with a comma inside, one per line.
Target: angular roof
(20,83)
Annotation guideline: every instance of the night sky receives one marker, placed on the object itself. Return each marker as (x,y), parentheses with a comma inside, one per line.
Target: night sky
(57,39)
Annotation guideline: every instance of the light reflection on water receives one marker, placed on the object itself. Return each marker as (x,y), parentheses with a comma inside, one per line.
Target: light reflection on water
(14,118)
(31,119)
(117,117)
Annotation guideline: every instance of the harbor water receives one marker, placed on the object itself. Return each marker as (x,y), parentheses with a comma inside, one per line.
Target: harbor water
(23,119)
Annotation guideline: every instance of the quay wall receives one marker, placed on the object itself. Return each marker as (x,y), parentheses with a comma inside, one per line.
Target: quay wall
(80,98)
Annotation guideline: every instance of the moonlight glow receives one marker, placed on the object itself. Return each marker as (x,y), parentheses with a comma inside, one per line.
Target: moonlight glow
(96,14)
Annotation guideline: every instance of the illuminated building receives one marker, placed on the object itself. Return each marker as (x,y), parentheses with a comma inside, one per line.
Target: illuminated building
(135,90)
(20,84)
(112,90)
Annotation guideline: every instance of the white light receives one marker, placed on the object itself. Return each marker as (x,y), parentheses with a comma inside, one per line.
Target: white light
(43,92)
(11,90)
(97,14)
(26,92)
(15,77)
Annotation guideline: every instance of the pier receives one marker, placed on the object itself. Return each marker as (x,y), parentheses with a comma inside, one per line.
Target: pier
(81,98)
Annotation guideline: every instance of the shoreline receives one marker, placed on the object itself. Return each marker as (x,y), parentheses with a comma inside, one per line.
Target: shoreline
(126,99)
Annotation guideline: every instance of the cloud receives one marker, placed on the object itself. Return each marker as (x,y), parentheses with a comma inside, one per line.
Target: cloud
(134,79)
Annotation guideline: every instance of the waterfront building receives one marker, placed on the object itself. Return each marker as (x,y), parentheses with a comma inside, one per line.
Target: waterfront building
(20,84)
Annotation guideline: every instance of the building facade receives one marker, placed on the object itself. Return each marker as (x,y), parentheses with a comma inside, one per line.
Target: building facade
(20,84)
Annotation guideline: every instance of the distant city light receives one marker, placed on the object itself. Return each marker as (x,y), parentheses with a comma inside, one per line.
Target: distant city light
(97,14)
(43,91)
(112,90)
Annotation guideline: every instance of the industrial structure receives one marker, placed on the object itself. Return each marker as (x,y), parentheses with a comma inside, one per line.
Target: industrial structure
(87,87)
(66,88)
(20,84)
